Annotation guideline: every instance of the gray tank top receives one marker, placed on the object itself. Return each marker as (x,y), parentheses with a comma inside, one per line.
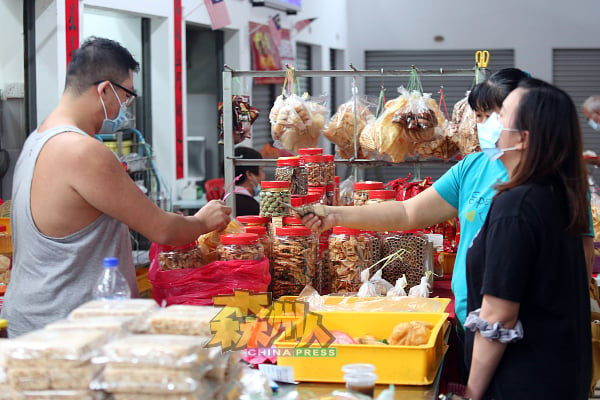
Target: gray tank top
(53,275)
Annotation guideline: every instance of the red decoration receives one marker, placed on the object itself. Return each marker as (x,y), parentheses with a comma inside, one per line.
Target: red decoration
(178,92)
(71,27)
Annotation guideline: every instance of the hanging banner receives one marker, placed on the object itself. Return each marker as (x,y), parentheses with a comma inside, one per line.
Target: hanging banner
(178,92)
(71,27)
(218,13)
(266,56)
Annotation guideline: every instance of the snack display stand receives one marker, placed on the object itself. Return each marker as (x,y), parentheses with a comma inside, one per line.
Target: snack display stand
(230,161)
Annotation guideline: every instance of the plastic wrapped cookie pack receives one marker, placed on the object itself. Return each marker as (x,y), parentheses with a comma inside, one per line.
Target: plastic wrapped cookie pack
(141,309)
(183,320)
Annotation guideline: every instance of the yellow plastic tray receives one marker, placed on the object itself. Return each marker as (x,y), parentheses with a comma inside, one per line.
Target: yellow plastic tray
(404,365)
(377,304)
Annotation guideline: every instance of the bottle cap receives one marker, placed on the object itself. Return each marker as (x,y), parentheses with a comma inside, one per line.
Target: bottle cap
(111,262)
(328,157)
(288,161)
(257,229)
(314,159)
(252,219)
(342,230)
(292,231)
(239,238)
(368,185)
(310,151)
(382,194)
(275,185)
(186,247)
(297,201)
(292,221)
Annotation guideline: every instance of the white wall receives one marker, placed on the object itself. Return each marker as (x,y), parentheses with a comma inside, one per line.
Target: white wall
(11,32)
(532,28)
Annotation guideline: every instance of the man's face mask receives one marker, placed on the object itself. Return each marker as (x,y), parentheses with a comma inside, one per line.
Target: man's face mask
(113,125)
(489,132)
(595,126)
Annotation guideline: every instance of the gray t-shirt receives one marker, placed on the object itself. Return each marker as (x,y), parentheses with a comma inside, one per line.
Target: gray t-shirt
(51,276)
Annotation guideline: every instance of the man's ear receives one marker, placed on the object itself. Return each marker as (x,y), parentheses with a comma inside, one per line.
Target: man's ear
(524,142)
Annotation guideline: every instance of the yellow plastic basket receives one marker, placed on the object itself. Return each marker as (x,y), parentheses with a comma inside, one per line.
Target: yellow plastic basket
(405,365)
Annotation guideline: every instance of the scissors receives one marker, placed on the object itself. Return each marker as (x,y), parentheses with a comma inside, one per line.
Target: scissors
(318,209)
(482,58)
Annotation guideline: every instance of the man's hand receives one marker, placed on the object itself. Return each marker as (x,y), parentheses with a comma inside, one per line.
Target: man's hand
(214,215)
(319,224)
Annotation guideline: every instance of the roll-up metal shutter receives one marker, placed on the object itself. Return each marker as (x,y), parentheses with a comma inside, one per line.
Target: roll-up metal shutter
(304,62)
(455,88)
(263,97)
(577,71)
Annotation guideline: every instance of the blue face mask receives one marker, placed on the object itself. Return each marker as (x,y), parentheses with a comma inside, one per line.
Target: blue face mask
(489,133)
(256,187)
(595,126)
(113,125)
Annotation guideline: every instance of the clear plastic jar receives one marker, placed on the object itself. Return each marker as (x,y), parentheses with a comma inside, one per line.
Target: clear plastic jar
(240,246)
(329,169)
(413,262)
(330,194)
(361,191)
(380,196)
(294,253)
(263,238)
(315,169)
(322,281)
(289,169)
(272,194)
(347,251)
(180,257)
(336,180)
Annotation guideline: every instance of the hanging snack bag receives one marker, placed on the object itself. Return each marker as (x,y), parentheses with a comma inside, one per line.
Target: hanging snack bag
(243,116)
(391,141)
(340,129)
(464,127)
(417,120)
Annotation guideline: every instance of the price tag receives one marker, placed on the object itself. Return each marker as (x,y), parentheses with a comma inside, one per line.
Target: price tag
(278,373)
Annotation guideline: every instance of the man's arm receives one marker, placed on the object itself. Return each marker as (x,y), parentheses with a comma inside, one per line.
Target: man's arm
(102,182)
(426,209)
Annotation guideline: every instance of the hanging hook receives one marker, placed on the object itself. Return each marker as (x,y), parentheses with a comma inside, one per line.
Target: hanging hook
(441,78)
(353,67)
(382,83)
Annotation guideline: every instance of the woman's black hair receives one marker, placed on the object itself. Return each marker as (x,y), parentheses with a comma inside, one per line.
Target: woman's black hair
(554,149)
(246,153)
(489,94)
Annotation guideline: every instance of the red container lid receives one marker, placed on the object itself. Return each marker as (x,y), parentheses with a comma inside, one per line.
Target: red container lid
(328,157)
(292,231)
(239,238)
(313,197)
(186,247)
(292,221)
(2,228)
(313,158)
(307,151)
(297,201)
(342,230)
(368,185)
(330,187)
(275,185)
(257,229)
(336,179)
(317,189)
(253,219)
(382,194)
(288,161)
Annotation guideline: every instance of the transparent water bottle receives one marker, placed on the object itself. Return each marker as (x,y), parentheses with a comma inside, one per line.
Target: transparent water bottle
(111,284)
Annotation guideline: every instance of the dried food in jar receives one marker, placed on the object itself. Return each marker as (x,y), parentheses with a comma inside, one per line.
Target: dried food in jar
(240,246)
(294,252)
(362,189)
(180,257)
(315,167)
(289,170)
(347,252)
(272,194)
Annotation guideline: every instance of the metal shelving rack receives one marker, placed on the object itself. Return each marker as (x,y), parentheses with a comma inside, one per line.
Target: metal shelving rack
(230,161)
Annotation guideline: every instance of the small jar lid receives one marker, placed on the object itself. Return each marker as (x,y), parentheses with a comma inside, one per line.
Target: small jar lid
(330,187)
(275,185)
(2,228)
(186,247)
(317,189)
(342,230)
(313,159)
(257,229)
(328,157)
(368,185)
(292,231)
(297,201)
(382,194)
(239,238)
(253,219)
(307,151)
(313,197)
(336,179)
(292,221)
(288,161)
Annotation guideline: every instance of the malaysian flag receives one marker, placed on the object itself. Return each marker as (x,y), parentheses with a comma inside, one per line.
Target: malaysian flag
(275,29)
(298,26)
(217,11)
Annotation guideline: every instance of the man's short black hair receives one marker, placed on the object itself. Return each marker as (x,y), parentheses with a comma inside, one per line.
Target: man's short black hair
(99,59)
(246,153)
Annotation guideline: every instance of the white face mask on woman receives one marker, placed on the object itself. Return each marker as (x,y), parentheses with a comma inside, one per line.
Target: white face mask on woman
(489,133)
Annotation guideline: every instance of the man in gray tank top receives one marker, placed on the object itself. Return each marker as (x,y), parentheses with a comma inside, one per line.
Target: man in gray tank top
(72,202)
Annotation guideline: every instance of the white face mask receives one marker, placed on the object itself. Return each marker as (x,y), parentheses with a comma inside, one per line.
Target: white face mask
(113,125)
(595,126)
(489,133)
